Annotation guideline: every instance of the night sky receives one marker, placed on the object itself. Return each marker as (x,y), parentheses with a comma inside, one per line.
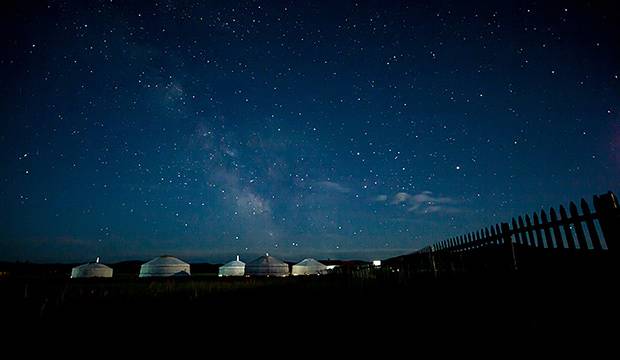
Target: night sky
(304,129)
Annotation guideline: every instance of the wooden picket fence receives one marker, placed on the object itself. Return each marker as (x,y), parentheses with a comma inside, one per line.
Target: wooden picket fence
(560,241)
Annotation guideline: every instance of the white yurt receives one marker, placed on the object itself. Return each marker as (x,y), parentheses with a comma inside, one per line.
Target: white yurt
(163,266)
(309,267)
(267,266)
(233,268)
(91,270)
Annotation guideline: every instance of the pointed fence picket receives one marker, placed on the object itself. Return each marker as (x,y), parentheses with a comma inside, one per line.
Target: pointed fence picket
(541,237)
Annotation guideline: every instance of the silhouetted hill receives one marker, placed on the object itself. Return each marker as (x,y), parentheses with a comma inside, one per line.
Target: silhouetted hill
(129,268)
(35,270)
(204,268)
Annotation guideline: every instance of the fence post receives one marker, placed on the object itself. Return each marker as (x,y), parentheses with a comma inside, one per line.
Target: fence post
(546,229)
(556,229)
(508,245)
(581,236)
(517,235)
(539,240)
(433,265)
(522,230)
(608,211)
(487,236)
(530,233)
(587,216)
(570,241)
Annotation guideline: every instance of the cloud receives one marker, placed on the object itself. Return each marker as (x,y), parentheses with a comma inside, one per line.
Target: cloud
(427,197)
(332,186)
(401,197)
(435,209)
(380,198)
(424,202)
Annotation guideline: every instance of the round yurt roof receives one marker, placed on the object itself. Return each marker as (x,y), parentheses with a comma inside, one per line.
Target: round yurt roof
(267,265)
(165,265)
(165,260)
(92,269)
(308,267)
(93,266)
(234,263)
(233,268)
(309,262)
(267,260)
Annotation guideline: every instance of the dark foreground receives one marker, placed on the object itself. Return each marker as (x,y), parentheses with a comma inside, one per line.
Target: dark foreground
(367,304)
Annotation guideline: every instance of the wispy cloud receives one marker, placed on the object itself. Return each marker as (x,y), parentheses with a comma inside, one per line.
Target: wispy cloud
(400,197)
(424,202)
(380,198)
(331,186)
(435,209)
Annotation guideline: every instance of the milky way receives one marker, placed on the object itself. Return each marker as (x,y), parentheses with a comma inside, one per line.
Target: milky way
(325,129)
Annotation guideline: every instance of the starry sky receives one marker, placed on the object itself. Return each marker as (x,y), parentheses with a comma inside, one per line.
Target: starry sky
(328,129)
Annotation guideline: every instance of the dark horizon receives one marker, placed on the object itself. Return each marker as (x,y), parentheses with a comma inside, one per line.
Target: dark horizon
(224,257)
(361,130)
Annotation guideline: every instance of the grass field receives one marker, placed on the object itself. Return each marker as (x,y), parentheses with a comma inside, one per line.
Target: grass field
(375,301)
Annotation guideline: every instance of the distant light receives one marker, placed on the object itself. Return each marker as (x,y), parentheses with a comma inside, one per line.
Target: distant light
(376,262)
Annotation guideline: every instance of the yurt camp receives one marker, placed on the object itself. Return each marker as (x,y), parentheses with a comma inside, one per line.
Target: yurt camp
(164,266)
(267,266)
(309,267)
(233,268)
(91,270)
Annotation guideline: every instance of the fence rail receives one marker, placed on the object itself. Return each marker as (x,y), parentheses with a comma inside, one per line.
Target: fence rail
(560,240)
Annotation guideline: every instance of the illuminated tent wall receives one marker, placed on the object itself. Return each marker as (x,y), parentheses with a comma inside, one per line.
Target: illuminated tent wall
(308,267)
(164,266)
(267,266)
(91,270)
(233,268)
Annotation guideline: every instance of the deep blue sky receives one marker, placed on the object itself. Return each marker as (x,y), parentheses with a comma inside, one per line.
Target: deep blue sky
(323,129)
